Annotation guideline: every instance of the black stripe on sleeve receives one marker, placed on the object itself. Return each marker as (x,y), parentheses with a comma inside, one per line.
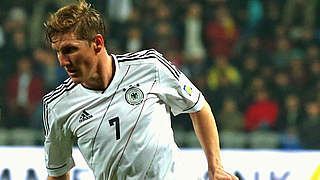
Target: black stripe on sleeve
(57,167)
(194,103)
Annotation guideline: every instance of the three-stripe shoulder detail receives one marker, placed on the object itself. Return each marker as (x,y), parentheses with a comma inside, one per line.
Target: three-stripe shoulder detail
(150,54)
(67,85)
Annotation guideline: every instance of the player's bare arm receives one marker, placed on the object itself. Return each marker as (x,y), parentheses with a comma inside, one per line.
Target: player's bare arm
(207,133)
(63,177)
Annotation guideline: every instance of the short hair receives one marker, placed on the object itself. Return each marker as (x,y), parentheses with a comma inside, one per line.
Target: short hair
(80,18)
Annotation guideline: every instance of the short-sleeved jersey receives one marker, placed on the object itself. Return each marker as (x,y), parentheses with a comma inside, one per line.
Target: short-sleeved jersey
(124,131)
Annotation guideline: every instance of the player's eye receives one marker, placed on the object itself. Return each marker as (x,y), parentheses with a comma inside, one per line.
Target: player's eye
(68,50)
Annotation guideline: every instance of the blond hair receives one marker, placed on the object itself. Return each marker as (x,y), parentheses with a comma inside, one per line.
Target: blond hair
(79,18)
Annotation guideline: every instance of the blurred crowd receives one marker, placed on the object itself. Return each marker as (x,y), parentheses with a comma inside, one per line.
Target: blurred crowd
(257,63)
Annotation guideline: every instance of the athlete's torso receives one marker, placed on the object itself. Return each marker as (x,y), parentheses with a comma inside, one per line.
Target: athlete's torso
(125,132)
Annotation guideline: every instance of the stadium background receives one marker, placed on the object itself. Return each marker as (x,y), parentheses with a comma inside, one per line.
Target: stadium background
(256,61)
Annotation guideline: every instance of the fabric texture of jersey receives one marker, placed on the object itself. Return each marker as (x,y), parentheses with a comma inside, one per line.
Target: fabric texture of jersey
(123,132)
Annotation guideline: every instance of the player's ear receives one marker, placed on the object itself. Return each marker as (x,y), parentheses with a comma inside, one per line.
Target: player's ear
(98,43)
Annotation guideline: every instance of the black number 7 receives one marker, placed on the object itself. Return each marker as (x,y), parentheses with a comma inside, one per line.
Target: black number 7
(116,120)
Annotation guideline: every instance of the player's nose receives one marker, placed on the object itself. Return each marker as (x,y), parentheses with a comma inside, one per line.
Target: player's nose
(63,60)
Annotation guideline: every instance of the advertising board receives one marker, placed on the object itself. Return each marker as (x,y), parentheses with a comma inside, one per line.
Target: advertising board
(22,162)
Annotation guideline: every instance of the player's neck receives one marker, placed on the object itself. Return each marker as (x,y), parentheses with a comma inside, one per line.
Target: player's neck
(103,74)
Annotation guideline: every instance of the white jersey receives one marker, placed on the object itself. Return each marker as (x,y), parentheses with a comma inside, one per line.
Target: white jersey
(123,132)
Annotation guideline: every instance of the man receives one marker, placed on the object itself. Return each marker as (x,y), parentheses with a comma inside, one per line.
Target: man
(117,107)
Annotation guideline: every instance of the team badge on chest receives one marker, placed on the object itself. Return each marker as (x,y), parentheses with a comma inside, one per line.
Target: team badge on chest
(134,96)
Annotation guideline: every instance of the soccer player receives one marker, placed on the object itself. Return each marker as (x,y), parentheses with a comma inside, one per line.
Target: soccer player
(116,108)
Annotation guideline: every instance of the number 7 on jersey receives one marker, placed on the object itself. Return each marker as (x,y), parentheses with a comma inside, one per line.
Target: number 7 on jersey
(117,122)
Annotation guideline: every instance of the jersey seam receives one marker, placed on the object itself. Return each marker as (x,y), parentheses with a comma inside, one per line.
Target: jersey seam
(154,156)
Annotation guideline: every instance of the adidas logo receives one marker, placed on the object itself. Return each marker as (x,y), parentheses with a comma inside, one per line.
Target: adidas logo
(85,116)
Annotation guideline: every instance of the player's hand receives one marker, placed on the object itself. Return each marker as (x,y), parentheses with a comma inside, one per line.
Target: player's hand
(220,174)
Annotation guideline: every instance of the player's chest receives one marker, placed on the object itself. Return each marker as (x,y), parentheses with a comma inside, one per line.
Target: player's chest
(118,111)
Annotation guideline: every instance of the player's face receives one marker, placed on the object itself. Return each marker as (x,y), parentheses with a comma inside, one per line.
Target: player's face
(77,57)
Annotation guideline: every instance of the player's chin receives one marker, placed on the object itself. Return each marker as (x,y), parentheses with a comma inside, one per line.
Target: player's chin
(76,80)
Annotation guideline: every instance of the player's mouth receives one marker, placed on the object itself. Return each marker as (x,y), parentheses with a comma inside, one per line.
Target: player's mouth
(71,72)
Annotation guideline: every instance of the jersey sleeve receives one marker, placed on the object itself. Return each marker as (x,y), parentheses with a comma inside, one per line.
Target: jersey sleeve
(176,90)
(57,144)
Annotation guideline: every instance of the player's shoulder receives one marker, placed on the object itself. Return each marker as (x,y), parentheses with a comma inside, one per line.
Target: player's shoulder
(143,56)
(59,92)
(151,57)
